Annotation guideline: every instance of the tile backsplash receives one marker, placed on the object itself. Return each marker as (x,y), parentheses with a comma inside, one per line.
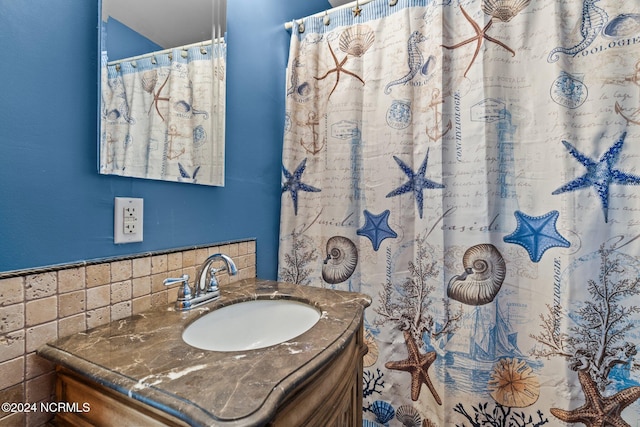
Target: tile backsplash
(44,304)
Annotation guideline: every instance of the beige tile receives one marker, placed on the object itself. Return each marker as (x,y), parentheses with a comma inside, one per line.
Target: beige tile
(98,297)
(98,317)
(11,291)
(40,418)
(242,248)
(158,264)
(141,286)
(120,291)
(121,270)
(41,310)
(12,345)
(172,294)
(214,250)
(251,246)
(14,420)
(174,261)
(157,282)
(37,365)
(191,272)
(141,266)
(201,255)
(11,373)
(159,299)
(233,250)
(11,394)
(138,305)
(38,336)
(72,279)
(11,318)
(72,325)
(120,310)
(71,303)
(99,274)
(40,388)
(41,285)
(189,258)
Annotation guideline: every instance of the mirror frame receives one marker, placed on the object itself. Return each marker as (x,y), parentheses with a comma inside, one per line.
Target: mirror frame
(217,127)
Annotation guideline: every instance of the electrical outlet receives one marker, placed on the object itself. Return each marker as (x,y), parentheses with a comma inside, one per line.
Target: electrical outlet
(127,220)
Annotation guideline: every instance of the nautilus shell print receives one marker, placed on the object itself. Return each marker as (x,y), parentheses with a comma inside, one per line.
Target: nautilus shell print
(504,10)
(357,40)
(484,272)
(514,384)
(341,260)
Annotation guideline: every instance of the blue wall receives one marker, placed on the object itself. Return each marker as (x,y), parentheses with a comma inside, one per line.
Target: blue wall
(54,206)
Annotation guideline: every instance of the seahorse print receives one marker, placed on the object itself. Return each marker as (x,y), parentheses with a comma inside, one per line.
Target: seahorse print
(294,77)
(414,61)
(593,21)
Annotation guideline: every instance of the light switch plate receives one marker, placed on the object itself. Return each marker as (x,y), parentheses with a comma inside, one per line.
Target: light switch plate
(128,220)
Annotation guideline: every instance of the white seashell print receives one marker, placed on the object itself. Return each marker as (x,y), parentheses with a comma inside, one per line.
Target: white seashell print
(357,40)
(504,10)
(149,80)
(371,357)
(341,260)
(484,272)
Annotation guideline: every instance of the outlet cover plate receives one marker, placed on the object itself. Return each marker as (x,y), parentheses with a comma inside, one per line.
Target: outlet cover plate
(128,220)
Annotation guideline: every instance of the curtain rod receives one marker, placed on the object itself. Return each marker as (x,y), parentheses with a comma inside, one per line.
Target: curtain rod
(160,52)
(289,25)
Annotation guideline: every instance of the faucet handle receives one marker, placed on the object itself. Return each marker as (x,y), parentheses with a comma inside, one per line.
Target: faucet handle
(185,293)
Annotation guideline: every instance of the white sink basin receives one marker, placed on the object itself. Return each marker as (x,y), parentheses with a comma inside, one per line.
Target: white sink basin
(250,325)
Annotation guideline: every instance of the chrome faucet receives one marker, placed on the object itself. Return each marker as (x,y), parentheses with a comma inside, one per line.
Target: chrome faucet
(206,287)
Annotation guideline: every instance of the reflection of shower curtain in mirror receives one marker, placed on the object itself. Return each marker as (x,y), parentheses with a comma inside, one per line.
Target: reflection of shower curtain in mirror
(473,166)
(157,117)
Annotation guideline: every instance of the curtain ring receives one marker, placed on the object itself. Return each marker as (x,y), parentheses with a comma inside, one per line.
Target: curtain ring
(118,68)
(301,27)
(153,60)
(326,18)
(203,50)
(393,2)
(134,64)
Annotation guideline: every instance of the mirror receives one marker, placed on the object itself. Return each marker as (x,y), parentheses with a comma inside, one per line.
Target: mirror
(162,90)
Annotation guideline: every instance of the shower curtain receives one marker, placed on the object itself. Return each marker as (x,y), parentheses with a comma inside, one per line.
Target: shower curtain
(157,115)
(473,166)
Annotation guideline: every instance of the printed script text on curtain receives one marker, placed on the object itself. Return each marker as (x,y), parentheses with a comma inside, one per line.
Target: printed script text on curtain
(473,167)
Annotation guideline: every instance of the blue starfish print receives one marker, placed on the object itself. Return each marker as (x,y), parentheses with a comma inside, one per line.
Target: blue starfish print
(537,234)
(417,182)
(293,184)
(376,228)
(600,174)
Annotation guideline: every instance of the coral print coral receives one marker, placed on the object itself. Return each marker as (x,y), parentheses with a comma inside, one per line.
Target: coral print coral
(472,166)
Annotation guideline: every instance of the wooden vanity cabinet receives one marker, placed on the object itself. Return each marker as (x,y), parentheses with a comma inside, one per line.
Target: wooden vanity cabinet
(330,397)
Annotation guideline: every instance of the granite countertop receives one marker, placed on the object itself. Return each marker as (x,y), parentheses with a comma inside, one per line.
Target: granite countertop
(144,356)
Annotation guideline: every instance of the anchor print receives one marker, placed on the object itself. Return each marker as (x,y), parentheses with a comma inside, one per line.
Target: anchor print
(634,117)
(171,133)
(316,144)
(437,131)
